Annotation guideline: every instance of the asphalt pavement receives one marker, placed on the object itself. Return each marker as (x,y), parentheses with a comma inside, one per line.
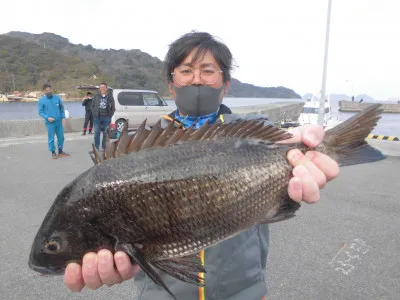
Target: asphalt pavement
(347,246)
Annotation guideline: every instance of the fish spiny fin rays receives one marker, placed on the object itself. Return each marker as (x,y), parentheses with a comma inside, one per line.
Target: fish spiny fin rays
(157,136)
(185,268)
(123,141)
(96,155)
(138,139)
(138,258)
(110,148)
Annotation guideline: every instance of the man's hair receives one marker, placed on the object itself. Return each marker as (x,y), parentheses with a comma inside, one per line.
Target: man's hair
(46,85)
(103,83)
(181,48)
(88,93)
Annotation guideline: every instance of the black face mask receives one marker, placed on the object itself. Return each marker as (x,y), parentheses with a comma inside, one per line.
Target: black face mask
(49,94)
(197,100)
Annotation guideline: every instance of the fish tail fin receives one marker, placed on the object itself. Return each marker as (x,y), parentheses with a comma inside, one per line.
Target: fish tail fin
(346,142)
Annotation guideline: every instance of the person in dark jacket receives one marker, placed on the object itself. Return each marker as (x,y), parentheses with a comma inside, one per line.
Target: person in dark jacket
(87,103)
(103,108)
(51,109)
(198,72)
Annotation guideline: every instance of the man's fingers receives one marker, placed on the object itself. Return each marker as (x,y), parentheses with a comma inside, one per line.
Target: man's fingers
(73,277)
(107,273)
(310,187)
(296,158)
(295,189)
(124,266)
(90,272)
(312,135)
(296,137)
(326,164)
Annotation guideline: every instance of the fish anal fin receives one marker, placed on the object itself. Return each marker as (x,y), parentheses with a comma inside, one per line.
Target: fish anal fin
(138,258)
(285,211)
(186,269)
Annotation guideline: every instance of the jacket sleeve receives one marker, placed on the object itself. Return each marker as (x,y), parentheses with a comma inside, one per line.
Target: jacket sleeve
(85,102)
(62,109)
(41,110)
(112,108)
(93,101)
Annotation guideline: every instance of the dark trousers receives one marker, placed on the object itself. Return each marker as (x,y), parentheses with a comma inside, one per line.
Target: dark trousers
(88,120)
(101,124)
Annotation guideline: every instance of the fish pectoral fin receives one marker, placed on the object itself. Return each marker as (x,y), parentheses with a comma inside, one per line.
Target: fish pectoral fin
(137,257)
(186,268)
(286,211)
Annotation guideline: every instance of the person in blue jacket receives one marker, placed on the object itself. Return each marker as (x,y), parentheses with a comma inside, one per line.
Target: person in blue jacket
(51,109)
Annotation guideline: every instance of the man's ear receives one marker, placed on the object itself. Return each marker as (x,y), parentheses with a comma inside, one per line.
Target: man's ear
(171,90)
(227,85)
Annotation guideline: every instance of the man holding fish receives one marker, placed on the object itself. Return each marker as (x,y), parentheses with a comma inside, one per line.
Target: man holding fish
(198,70)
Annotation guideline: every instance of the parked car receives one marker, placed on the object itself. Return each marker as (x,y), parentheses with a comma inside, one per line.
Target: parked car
(135,105)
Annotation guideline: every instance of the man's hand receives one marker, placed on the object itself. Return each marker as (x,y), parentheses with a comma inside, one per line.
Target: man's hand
(98,269)
(311,171)
(64,122)
(50,119)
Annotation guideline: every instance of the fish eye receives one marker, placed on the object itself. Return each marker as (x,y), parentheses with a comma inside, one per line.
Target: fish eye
(52,246)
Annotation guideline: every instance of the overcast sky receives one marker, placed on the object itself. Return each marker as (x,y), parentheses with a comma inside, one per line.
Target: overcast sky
(274,43)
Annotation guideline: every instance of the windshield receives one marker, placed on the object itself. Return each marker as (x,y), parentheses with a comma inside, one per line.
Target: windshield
(313,110)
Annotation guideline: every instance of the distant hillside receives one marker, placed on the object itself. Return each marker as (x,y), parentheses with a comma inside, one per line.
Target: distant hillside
(239,89)
(29,60)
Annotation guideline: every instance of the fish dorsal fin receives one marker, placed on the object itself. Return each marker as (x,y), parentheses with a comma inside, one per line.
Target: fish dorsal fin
(157,136)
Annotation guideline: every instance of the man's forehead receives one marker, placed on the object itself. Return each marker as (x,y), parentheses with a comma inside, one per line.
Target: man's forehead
(201,57)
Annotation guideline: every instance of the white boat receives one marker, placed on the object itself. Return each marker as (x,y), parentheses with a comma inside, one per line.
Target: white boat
(309,114)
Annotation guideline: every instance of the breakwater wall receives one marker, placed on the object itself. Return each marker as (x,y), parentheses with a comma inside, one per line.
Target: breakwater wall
(350,106)
(23,128)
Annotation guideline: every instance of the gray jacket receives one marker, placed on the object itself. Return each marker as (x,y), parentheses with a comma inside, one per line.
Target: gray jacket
(236,269)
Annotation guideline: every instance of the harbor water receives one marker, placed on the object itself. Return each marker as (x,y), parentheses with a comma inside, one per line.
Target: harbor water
(389,124)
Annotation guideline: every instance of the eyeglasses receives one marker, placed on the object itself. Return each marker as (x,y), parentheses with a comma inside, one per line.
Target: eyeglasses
(184,75)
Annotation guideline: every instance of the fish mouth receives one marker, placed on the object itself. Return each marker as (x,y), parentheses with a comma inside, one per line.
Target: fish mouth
(47,271)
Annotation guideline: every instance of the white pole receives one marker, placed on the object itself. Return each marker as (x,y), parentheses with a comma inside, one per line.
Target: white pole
(322,100)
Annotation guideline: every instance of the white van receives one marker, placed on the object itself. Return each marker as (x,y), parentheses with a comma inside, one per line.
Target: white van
(136,105)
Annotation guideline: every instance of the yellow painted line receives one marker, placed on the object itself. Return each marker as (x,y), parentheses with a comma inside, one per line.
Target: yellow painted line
(202,295)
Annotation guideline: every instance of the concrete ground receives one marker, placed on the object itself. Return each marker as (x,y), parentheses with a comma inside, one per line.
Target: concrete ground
(345,247)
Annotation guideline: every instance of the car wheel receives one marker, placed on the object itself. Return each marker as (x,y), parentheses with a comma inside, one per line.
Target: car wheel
(120,125)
